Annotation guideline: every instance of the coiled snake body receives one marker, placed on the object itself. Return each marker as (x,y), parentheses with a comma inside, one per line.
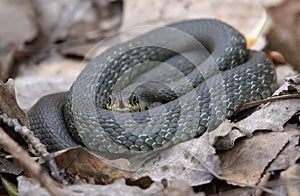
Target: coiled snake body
(211,91)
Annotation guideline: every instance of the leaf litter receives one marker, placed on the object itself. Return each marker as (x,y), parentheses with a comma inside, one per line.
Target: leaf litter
(266,141)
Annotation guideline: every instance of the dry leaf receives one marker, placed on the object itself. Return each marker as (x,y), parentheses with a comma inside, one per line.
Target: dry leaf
(294,82)
(290,153)
(8,167)
(291,85)
(79,161)
(183,162)
(272,116)
(8,103)
(248,159)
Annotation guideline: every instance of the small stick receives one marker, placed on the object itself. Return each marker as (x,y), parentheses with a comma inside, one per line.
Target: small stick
(28,136)
(28,164)
(270,99)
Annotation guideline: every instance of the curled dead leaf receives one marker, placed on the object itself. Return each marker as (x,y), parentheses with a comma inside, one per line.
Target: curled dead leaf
(79,161)
(8,102)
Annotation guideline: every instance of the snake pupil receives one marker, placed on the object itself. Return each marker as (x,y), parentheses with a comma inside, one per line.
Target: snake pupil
(134,99)
(109,100)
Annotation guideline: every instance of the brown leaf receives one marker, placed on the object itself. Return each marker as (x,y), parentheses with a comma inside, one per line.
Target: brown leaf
(8,103)
(182,162)
(290,153)
(272,116)
(294,82)
(249,158)
(7,166)
(291,84)
(79,161)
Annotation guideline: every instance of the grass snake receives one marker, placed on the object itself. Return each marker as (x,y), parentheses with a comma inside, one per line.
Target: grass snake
(218,75)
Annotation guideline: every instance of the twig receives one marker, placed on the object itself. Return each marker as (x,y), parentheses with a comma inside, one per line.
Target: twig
(36,144)
(263,181)
(270,99)
(25,161)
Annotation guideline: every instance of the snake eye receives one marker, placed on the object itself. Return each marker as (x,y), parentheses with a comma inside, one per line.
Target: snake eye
(109,100)
(133,99)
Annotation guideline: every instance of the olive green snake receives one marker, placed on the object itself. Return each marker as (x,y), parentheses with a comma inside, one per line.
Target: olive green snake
(214,83)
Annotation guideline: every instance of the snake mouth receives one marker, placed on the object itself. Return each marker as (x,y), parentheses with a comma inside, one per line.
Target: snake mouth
(126,109)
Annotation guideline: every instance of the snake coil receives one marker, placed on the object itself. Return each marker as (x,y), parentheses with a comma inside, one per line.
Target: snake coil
(219,75)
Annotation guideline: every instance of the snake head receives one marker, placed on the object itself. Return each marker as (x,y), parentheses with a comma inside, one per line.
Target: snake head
(131,104)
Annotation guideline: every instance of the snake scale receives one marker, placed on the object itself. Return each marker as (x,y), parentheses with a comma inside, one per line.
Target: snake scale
(229,76)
